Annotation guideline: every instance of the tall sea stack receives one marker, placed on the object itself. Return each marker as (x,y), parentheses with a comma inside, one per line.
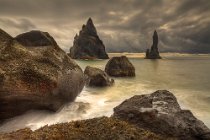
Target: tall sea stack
(153,53)
(88,45)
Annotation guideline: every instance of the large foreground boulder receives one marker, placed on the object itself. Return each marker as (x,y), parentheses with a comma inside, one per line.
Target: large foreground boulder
(88,45)
(120,67)
(153,53)
(161,113)
(96,77)
(38,77)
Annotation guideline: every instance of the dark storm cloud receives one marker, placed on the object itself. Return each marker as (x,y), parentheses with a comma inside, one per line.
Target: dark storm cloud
(123,25)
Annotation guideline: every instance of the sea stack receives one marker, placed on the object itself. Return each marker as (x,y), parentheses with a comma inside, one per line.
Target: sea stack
(88,45)
(153,53)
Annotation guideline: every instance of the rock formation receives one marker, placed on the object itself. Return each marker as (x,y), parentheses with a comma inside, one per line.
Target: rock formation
(97,77)
(102,128)
(161,113)
(120,67)
(88,45)
(155,116)
(36,38)
(41,77)
(153,53)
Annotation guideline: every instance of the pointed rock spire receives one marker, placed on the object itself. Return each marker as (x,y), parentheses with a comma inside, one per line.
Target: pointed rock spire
(154,52)
(155,41)
(90,21)
(88,44)
(90,28)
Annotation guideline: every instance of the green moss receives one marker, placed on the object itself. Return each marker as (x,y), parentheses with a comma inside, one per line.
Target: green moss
(14,51)
(102,128)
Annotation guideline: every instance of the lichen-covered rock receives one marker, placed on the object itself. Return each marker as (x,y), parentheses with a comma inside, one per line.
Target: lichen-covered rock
(88,45)
(161,113)
(120,67)
(154,52)
(102,128)
(40,77)
(96,77)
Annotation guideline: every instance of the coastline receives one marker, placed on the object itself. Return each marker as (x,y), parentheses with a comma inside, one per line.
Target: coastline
(164,55)
(132,119)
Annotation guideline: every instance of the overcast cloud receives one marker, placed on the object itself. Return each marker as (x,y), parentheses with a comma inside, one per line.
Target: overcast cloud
(123,25)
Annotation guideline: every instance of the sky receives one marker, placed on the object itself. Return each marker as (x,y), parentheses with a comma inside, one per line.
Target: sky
(123,25)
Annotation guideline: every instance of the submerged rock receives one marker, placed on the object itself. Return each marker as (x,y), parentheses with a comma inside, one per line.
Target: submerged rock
(97,77)
(161,113)
(154,52)
(88,45)
(41,77)
(102,128)
(120,67)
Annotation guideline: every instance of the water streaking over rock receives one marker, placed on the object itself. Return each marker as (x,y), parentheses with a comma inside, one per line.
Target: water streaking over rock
(185,75)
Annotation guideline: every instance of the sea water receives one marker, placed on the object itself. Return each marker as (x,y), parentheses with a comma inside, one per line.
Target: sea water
(185,75)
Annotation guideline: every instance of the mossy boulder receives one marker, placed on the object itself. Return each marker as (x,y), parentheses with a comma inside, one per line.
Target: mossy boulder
(40,77)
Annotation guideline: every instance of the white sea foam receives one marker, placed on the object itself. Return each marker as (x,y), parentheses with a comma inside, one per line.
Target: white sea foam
(188,78)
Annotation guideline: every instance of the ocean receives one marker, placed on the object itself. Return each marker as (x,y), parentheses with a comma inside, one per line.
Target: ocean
(185,75)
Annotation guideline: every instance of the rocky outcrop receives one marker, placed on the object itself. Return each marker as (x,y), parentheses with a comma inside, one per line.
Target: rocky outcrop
(5,39)
(154,52)
(120,67)
(36,38)
(102,128)
(155,116)
(88,45)
(161,113)
(40,77)
(96,77)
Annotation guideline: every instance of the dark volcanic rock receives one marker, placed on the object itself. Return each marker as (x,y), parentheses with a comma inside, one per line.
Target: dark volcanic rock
(88,44)
(35,77)
(153,53)
(161,113)
(36,38)
(120,67)
(97,77)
